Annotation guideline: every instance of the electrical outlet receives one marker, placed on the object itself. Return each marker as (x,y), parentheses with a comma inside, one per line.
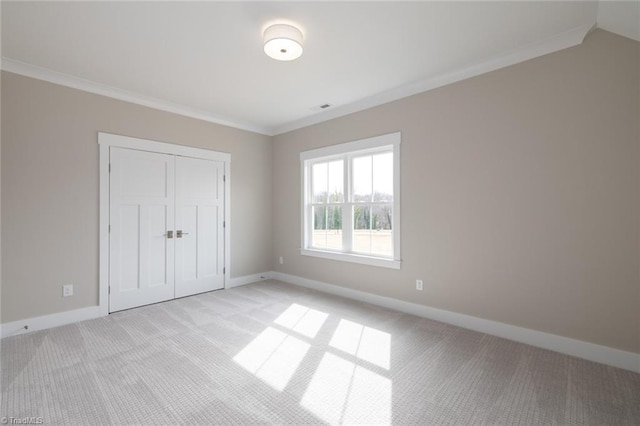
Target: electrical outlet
(419,285)
(281,260)
(67,290)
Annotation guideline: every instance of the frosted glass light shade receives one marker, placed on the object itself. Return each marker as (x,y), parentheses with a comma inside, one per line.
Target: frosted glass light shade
(283,42)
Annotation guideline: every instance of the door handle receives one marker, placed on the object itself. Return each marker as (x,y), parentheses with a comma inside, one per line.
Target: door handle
(179,233)
(169,234)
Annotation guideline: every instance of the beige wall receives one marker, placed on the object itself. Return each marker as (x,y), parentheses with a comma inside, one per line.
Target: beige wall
(520,195)
(50,189)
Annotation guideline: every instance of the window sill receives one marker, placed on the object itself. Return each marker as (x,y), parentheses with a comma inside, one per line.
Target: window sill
(353,258)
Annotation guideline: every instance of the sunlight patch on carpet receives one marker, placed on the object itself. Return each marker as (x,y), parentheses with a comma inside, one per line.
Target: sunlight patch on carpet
(363,342)
(273,356)
(342,392)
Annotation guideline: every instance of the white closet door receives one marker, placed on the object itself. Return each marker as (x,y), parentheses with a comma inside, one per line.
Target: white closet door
(142,194)
(199,225)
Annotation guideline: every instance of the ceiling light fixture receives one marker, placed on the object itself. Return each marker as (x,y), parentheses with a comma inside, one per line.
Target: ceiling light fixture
(283,42)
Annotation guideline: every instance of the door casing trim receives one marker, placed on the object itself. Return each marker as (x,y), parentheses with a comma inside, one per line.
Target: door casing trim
(108,140)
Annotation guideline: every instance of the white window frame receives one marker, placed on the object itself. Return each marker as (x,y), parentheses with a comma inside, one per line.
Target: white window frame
(389,142)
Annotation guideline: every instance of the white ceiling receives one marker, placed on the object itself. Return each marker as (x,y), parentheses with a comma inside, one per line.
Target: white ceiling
(205,59)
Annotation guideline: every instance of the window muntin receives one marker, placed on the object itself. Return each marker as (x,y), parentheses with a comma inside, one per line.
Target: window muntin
(350,203)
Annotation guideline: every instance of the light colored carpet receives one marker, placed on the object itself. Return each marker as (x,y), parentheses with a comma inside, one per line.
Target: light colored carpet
(272,353)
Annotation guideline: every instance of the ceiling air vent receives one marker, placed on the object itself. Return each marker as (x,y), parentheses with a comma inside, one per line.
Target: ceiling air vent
(321,107)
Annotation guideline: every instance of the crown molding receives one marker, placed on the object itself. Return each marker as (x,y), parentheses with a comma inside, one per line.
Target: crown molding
(45,74)
(558,42)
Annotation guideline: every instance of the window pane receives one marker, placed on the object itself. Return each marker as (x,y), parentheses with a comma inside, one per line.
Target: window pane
(381,235)
(327,227)
(362,229)
(336,181)
(334,227)
(362,179)
(319,235)
(361,217)
(383,177)
(319,183)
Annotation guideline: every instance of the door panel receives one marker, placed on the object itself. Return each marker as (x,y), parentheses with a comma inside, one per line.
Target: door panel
(199,207)
(142,194)
(208,219)
(156,223)
(143,176)
(189,249)
(127,268)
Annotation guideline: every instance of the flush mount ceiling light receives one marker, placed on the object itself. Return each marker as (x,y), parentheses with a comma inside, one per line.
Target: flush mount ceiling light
(283,42)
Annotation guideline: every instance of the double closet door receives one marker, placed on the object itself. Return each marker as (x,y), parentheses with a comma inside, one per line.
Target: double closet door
(166,233)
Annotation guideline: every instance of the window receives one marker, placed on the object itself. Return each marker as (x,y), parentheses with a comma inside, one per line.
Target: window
(350,201)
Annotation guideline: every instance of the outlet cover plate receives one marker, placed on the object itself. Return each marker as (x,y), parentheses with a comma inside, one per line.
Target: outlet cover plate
(67,290)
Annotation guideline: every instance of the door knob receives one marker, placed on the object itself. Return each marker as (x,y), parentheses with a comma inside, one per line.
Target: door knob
(179,233)
(169,234)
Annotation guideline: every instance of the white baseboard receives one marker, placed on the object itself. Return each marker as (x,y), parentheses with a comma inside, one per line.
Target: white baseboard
(48,321)
(578,348)
(247,279)
(590,351)
(62,318)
